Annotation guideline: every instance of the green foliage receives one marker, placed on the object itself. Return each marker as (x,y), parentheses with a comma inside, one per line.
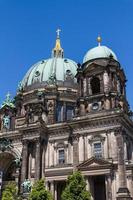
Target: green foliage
(75,188)
(10,192)
(39,192)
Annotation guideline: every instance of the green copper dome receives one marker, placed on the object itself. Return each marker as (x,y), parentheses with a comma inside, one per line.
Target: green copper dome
(56,68)
(99,52)
(53,70)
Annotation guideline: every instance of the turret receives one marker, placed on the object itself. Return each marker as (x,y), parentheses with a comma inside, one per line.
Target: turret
(102,81)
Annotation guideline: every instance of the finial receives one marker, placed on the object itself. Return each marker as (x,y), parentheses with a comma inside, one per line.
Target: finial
(58,33)
(99,39)
(8,96)
(58,51)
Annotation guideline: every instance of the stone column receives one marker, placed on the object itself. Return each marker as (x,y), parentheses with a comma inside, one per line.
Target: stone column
(85,147)
(123,192)
(89,87)
(108,183)
(24,165)
(130,183)
(17,178)
(52,188)
(69,152)
(46,185)
(107,102)
(44,158)
(91,185)
(75,151)
(82,107)
(125,150)
(107,138)
(38,159)
(87,184)
(106,82)
(85,86)
(55,191)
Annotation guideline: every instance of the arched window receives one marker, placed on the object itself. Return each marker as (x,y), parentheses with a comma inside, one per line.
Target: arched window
(95,85)
(61,156)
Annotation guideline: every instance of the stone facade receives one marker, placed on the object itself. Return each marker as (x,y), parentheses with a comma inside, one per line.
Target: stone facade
(53,129)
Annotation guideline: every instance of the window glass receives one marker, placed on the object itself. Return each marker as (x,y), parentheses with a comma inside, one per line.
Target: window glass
(98,149)
(59,112)
(61,156)
(69,112)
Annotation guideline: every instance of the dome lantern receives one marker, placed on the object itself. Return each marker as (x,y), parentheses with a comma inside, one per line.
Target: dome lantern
(57,51)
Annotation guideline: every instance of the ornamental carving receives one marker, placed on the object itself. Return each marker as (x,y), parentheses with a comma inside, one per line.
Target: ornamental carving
(6,122)
(97,138)
(5,144)
(18,162)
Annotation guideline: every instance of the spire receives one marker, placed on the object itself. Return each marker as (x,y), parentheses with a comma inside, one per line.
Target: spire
(99,39)
(58,51)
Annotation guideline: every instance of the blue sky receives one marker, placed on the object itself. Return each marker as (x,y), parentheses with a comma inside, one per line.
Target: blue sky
(27,34)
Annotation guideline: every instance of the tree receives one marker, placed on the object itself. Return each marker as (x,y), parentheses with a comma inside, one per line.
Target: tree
(76,188)
(39,192)
(10,192)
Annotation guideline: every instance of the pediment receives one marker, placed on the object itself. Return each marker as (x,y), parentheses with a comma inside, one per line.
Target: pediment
(94,162)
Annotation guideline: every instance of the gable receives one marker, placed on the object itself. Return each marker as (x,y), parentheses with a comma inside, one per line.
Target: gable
(94,162)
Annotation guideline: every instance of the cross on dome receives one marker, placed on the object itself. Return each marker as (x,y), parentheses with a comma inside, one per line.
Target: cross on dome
(58,51)
(58,33)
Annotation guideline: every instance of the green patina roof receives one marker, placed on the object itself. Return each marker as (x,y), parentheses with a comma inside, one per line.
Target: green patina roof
(8,102)
(99,52)
(44,70)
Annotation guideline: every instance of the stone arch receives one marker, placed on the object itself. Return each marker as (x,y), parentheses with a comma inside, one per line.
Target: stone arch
(7,163)
(14,151)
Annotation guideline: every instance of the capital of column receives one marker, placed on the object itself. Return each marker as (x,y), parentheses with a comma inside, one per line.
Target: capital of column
(37,141)
(75,137)
(119,131)
(25,142)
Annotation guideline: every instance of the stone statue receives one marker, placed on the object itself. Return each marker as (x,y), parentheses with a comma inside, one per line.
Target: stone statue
(18,162)
(6,122)
(20,87)
(5,144)
(52,79)
(26,186)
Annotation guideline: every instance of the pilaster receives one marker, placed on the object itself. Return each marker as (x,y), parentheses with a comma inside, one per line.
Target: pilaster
(75,151)
(52,188)
(123,192)
(108,183)
(24,162)
(38,159)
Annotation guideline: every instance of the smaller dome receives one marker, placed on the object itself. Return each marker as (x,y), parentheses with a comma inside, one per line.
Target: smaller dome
(99,52)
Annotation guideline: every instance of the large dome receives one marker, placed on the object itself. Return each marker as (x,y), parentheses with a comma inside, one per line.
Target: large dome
(53,70)
(43,71)
(98,52)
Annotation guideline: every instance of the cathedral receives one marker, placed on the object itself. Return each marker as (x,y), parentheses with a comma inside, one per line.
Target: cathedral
(68,116)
